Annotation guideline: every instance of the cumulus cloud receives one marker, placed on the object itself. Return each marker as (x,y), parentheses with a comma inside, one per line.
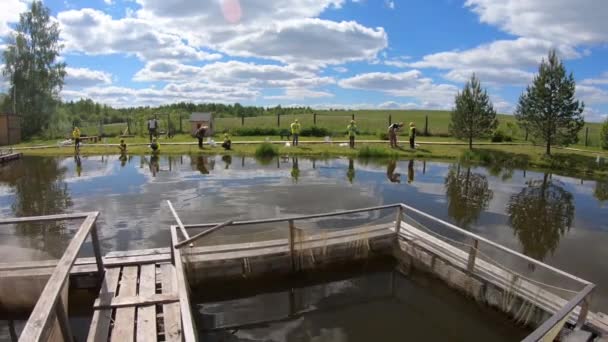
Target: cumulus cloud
(83,77)
(491,75)
(601,80)
(299,93)
(562,21)
(93,32)
(592,95)
(397,105)
(340,69)
(9,13)
(405,84)
(593,115)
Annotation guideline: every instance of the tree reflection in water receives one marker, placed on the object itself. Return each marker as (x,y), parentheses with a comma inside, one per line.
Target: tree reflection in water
(468,194)
(540,215)
(601,191)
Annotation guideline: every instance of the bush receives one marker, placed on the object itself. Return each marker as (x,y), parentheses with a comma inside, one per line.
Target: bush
(500,136)
(266,150)
(370,151)
(382,135)
(255,131)
(604,135)
(315,131)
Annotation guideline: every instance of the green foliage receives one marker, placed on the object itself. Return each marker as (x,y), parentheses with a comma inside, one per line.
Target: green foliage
(382,135)
(604,135)
(548,108)
(371,151)
(255,131)
(473,115)
(266,150)
(59,125)
(500,136)
(30,65)
(315,131)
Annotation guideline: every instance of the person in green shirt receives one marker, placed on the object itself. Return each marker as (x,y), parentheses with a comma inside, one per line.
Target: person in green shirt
(227,144)
(352,133)
(295,132)
(413,135)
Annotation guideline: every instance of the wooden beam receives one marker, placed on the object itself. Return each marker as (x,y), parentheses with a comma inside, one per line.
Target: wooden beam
(39,321)
(171,311)
(142,300)
(60,217)
(124,321)
(146,315)
(97,252)
(178,220)
(190,333)
(100,325)
(200,235)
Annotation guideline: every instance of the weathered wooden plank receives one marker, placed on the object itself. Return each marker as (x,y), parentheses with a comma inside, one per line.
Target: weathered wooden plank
(141,300)
(124,321)
(202,234)
(137,252)
(39,322)
(172,317)
(189,332)
(100,325)
(137,260)
(146,315)
(58,217)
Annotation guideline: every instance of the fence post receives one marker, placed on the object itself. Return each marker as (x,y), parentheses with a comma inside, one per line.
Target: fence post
(314,119)
(390,119)
(353,116)
(243,120)
(97,252)
(582,315)
(472,256)
(398,220)
(292,233)
(586,136)
(278,120)
(64,323)
(526,133)
(426,125)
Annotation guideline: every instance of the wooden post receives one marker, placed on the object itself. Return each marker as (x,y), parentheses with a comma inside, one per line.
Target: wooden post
(582,315)
(526,134)
(129,126)
(278,120)
(64,323)
(314,119)
(426,125)
(398,221)
(243,120)
(97,251)
(12,331)
(472,256)
(390,119)
(292,236)
(587,136)
(353,116)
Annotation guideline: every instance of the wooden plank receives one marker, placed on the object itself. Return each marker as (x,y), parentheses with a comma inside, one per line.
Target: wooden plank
(189,332)
(146,315)
(137,260)
(141,300)
(201,234)
(173,324)
(59,217)
(124,321)
(178,220)
(100,325)
(137,252)
(39,321)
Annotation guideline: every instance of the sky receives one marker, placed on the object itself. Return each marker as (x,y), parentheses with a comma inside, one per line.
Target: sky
(355,54)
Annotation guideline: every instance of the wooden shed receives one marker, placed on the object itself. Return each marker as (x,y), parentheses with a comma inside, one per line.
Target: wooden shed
(204,119)
(10,129)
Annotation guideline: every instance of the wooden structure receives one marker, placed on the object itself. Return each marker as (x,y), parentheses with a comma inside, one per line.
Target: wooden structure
(90,138)
(144,294)
(203,119)
(9,155)
(10,129)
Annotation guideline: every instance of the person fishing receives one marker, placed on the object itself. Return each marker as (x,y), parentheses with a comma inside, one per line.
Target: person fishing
(76,137)
(352,133)
(122,147)
(200,134)
(393,129)
(413,135)
(227,144)
(295,132)
(155,146)
(152,127)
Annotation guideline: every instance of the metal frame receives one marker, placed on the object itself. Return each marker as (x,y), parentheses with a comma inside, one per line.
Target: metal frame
(46,309)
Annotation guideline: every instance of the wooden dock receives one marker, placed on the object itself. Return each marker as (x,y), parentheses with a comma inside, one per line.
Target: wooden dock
(5,158)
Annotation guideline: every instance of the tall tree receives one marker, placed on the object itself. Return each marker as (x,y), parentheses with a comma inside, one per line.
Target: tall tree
(548,108)
(31,66)
(540,215)
(473,115)
(604,135)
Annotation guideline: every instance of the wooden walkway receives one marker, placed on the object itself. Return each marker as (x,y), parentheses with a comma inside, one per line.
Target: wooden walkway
(137,303)
(8,157)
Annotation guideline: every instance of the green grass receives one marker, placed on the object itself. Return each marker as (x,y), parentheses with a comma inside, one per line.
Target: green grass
(376,151)
(266,150)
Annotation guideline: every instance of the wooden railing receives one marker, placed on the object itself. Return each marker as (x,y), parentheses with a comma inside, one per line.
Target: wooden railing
(49,305)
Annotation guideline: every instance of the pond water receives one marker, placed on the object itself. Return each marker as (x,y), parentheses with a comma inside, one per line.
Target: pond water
(560,220)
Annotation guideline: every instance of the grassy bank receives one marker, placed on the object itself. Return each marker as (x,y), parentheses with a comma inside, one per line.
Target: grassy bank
(503,156)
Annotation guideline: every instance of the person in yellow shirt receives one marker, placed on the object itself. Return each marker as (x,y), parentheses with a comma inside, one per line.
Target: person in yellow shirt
(76,137)
(352,133)
(227,144)
(295,132)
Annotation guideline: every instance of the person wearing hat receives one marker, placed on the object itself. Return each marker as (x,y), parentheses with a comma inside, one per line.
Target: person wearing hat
(295,132)
(352,133)
(412,135)
(393,129)
(200,133)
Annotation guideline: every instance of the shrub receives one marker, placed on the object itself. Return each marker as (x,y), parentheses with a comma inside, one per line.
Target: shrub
(500,136)
(315,131)
(604,135)
(369,151)
(266,150)
(254,131)
(382,135)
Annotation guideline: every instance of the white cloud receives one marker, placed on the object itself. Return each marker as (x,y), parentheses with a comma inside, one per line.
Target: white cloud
(340,69)
(592,95)
(108,2)
(326,42)
(83,77)
(397,105)
(491,75)
(405,84)
(564,21)
(601,80)
(93,32)
(299,93)
(593,115)
(518,53)
(9,13)
(390,4)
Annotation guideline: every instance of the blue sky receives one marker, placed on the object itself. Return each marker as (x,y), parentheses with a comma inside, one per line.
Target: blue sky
(356,54)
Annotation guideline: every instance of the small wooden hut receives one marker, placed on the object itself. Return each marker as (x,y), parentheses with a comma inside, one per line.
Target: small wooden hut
(10,129)
(204,119)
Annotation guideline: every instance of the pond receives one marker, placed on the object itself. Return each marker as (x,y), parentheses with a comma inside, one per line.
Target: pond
(560,220)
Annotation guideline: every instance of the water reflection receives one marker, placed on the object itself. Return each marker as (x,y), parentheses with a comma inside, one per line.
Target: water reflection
(227,159)
(393,176)
(540,215)
(601,191)
(295,169)
(410,171)
(201,165)
(468,194)
(78,164)
(350,174)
